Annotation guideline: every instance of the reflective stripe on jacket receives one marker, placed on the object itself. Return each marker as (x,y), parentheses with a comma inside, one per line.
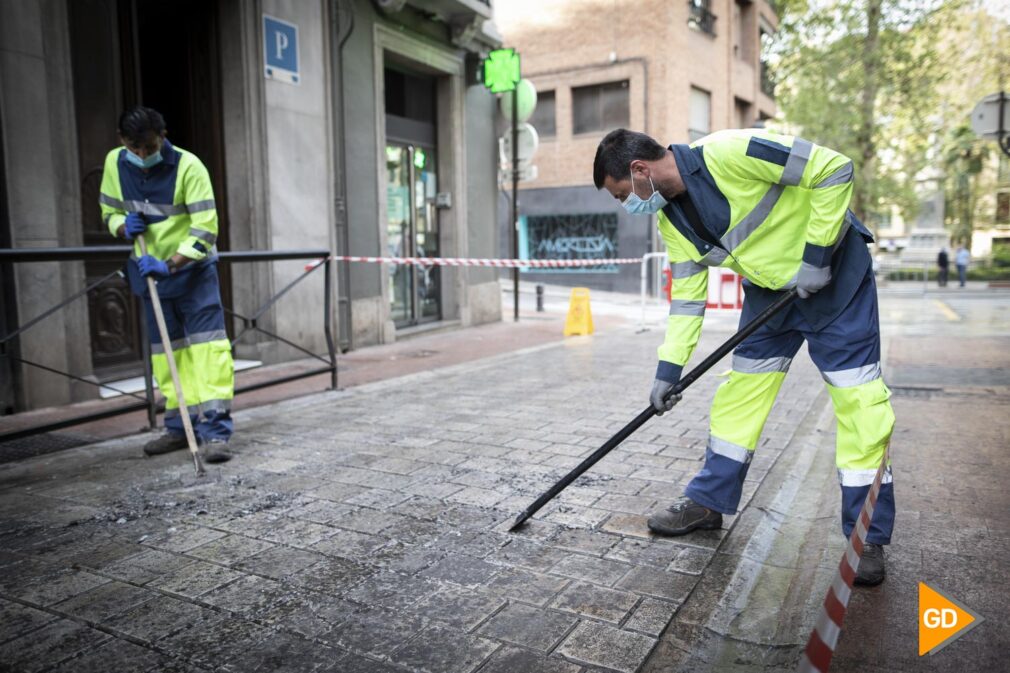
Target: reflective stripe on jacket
(771,202)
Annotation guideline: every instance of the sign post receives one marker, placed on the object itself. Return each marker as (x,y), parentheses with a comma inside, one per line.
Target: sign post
(502,73)
(991,119)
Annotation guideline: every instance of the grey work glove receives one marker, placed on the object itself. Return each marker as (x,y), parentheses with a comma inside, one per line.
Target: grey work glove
(811,279)
(660,392)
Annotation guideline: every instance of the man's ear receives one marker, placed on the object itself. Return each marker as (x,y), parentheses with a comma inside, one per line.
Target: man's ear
(640,168)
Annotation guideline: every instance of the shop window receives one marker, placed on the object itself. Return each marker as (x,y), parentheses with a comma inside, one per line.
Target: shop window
(600,107)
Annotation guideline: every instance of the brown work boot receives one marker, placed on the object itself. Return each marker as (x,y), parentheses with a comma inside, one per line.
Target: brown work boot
(684,516)
(216,451)
(167,443)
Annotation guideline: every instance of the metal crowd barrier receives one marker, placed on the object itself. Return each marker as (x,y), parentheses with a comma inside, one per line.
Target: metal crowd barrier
(148,401)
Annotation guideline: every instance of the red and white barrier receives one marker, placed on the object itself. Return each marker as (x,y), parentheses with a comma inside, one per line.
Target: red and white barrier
(828,627)
(476,261)
(725,289)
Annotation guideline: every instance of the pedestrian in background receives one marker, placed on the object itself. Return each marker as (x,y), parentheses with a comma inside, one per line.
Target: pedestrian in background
(961,258)
(158,190)
(943,262)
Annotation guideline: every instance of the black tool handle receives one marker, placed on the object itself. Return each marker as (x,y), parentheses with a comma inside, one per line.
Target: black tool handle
(648,413)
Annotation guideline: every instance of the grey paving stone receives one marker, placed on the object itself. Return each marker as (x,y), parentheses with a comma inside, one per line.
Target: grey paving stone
(462,570)
(392,590)
(529,555)
(159,617)
(602,645)
(284,652)
(627,524)
(587,542)
(353,663)
(296,533)
(349,544)
(691,560)
(48,646)
(279,562)
(105,601)
(229,549)
(457,607)
(51,586)
(183,538)
(312,615)
(196,579)
(589,600)
(591,569)
(651,616)
(530,627)
(515,660)
(526,586)
(658,583)
(441,650)
(333,577)
(146,566)
(120,656)
(376,632)
(16,619)
(248,596)
(216,643)
(656,553)
(370,521)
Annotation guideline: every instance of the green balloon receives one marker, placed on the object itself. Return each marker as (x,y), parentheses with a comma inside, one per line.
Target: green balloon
(527,100)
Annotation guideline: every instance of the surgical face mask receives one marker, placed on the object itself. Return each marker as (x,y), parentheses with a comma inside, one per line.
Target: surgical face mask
(150,161)
(636,205)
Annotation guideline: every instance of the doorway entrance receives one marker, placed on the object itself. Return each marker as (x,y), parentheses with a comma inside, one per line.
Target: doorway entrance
(412,229)
(165,56)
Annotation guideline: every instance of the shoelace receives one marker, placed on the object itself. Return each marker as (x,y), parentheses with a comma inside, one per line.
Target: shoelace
(680,505)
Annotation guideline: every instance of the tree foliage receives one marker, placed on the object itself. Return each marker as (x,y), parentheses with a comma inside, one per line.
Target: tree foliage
(883,81)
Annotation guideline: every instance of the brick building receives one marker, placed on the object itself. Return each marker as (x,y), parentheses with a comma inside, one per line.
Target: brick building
(676,70)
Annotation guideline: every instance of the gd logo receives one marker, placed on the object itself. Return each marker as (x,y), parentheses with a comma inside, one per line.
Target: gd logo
(942,620)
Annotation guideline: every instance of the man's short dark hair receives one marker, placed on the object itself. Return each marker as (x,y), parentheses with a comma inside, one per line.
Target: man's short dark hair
(137,122)
(618,149)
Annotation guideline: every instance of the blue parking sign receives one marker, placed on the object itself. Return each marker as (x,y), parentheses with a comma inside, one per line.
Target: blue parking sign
(280,50)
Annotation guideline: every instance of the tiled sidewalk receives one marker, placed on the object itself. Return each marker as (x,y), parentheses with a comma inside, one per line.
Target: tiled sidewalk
(367,530)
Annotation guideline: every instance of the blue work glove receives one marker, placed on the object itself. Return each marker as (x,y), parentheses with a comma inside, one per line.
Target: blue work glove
(660,397)
(811,278)
(135,225)
(154,267)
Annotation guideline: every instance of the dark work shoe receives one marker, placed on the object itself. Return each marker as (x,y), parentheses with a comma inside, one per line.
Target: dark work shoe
(871,565)
(167,443)
(684,516)
(217,452)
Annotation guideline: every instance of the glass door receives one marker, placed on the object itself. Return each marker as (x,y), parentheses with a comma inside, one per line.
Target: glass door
(412,231)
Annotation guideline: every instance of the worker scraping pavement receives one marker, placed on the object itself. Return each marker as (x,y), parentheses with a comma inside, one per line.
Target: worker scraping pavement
(154,189)
(773,208)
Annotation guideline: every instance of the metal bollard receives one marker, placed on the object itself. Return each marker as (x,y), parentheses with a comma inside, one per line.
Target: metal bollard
(540,298)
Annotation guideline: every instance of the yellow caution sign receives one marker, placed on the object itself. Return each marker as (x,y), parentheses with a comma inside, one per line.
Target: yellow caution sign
(580,318)
(942,620)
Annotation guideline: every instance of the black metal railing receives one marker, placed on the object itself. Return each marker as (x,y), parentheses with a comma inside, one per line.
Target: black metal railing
(9,342)
(700,16)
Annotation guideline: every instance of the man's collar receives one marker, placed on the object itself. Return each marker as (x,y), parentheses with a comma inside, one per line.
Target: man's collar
(687,161)
(168,154)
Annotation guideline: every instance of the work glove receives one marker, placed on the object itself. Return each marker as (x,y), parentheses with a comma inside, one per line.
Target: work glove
(154,267)
(660,398)
(811,279)
(135,225)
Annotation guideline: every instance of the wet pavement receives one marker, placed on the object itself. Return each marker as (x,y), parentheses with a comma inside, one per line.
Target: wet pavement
(366,530)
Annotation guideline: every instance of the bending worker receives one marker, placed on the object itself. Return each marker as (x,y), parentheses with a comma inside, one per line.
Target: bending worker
(154,189)
(774,209)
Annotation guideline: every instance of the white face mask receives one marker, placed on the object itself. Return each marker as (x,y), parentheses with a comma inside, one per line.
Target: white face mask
(636,205)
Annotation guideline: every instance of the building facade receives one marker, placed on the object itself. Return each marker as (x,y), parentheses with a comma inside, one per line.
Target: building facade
(355,126)
(675,70)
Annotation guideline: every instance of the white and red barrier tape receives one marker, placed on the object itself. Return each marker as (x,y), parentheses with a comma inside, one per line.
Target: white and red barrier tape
(475,261)
(828,627)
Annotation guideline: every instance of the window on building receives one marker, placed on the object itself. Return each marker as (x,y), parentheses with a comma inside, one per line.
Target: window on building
(1002,207)
(743,30)
(744,116)
(700,120)
(767,79)
(700,16)
(600,107)
(543,115)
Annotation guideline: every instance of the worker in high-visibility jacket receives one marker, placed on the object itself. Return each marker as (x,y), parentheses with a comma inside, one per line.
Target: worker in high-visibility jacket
(773,208)
(154,189)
